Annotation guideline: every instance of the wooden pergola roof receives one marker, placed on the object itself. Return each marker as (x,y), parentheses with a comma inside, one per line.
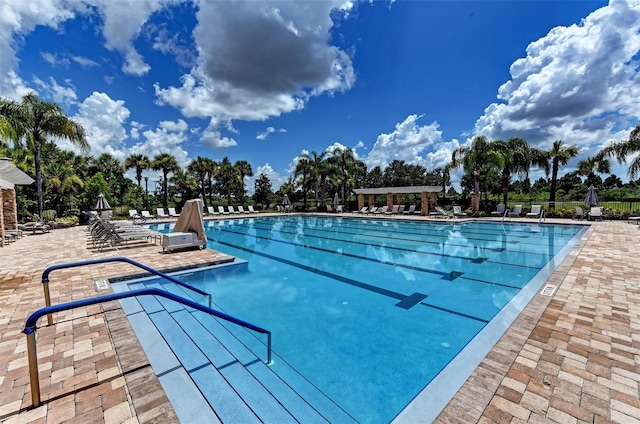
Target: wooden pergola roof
(409,189)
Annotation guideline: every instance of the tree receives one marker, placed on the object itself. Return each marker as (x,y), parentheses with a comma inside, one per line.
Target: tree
(184,184)
(64,180)
(476,160)
(263,191)
(139,162)
(622,149)
(516,159)
(226,179)
(589,166)
(303,170)
(612,181)
(199,169)
(343,159)
(559,154)
(243,169)
(166,163)
(318,166)
(35,123)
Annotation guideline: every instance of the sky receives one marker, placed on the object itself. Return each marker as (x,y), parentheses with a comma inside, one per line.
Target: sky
(266,81)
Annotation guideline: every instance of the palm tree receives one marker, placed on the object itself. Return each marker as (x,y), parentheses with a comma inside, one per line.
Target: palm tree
(589,166)
(516,159)
(559,154)
(622,149)
(317,163)
(303,170)
(64,180)
(199,168)
(140,162)
(343,159)
(166,163)
(243,168)
(476,160)
(35,122)
(227,177)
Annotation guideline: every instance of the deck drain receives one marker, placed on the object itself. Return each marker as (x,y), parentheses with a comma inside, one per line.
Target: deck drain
(101,284)
(548,290)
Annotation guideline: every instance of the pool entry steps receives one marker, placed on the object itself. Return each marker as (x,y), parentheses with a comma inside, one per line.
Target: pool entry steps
(206,360)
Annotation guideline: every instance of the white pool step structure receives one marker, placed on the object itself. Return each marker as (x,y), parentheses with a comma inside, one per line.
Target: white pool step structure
(213,370)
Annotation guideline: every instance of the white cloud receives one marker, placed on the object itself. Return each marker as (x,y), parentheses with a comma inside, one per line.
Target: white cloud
(54,60)
(267,132)
(59,94)
(211,137)
(275,177)
(578,84)
(177,126)
(135,129)
(162,141)
(259,60)
(103,120)
(84,62)
(409,142)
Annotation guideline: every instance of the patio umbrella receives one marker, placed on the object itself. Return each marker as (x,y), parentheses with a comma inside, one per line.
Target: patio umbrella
(286,202)
(102,204)
(592,197)
(335,200)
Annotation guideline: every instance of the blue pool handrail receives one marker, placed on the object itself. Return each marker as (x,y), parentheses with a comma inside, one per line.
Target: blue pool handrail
(46,272)
(30,325)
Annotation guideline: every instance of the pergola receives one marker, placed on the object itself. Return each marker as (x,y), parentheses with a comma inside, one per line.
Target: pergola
(428,195)
(9,177)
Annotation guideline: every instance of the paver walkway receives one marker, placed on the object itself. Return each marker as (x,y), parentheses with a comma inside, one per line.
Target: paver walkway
(570,358)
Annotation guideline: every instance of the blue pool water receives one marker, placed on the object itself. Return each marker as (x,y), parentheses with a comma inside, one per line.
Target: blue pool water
(371,311)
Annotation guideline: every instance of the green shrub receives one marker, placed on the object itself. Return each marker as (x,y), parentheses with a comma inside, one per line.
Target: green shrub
(48,215)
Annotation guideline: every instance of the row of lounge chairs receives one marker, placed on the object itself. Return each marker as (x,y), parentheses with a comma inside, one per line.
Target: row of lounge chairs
(143,216)
(112,233)
(231,210)
(402,210)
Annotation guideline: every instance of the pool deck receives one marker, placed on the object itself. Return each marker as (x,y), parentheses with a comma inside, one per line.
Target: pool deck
(573,357)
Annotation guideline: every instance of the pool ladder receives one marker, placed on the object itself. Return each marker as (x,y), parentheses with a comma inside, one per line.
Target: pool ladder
(32,320)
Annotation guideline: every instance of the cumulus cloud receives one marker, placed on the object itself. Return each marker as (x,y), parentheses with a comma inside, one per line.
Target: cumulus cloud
(411,143)
(275,177)
(267,132)
(176,126)
(103,120)
(259,60)
(65,95)
(213,138)
(579,83)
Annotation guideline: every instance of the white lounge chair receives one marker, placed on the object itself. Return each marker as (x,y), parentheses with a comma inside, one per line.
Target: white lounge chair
(172,212)
(457,212)
(363,210)
(499,210)
(382,210)
(232,211)
(222,211)
(535,211)
(595,213)
(410,211)
(516,211)
(241,209)
(160,213)
(401,209)
(440,211)
(211,211)
(146,215)
(133,214)
(393,211)
(251,210)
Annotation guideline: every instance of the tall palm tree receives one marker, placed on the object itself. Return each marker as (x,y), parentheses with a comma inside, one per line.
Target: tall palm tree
(199,168)
(516,159)
(589,166)
(303,170)
(139,162)
(343,159)
(36,122)
(559,154)
(476,159)
(622,149)
(166,163)
(64,180)
(226,178)
(212,174)
(243,168)
(317,163)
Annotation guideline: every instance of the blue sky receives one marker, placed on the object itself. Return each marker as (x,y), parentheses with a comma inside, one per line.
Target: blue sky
(265,81)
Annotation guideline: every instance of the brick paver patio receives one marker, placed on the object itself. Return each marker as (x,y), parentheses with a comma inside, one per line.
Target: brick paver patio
(570,358)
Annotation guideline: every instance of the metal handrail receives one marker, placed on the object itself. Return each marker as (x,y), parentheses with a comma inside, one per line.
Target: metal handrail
(45,277)
(541,217)
(30,325)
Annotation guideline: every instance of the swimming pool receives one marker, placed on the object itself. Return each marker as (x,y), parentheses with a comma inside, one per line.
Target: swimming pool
(370,311)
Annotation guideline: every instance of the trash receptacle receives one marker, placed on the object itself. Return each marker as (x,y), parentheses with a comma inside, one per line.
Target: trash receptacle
(83,218)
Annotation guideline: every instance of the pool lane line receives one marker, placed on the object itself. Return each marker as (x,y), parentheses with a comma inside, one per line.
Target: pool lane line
(449,276)
(404,301)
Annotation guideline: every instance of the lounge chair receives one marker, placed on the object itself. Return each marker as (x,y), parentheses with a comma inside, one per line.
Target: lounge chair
(133,214)
(160,213)
(241,209)
(499,210)
(251,210)
(363,210)
(457,212)
(401,210)
(535,211)
(232,210)
(329,208)
(393,211)
(516,211)
(211,211)
(382,210)
(595,213)
(410,211)
(172,212)
(440,211)
(339,209)
(222,211)
(578,213)
(146,215)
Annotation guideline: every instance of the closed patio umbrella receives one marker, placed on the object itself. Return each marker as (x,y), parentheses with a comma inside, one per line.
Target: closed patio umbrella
(102,204)
(286,202)
(335,200)
(592,197)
